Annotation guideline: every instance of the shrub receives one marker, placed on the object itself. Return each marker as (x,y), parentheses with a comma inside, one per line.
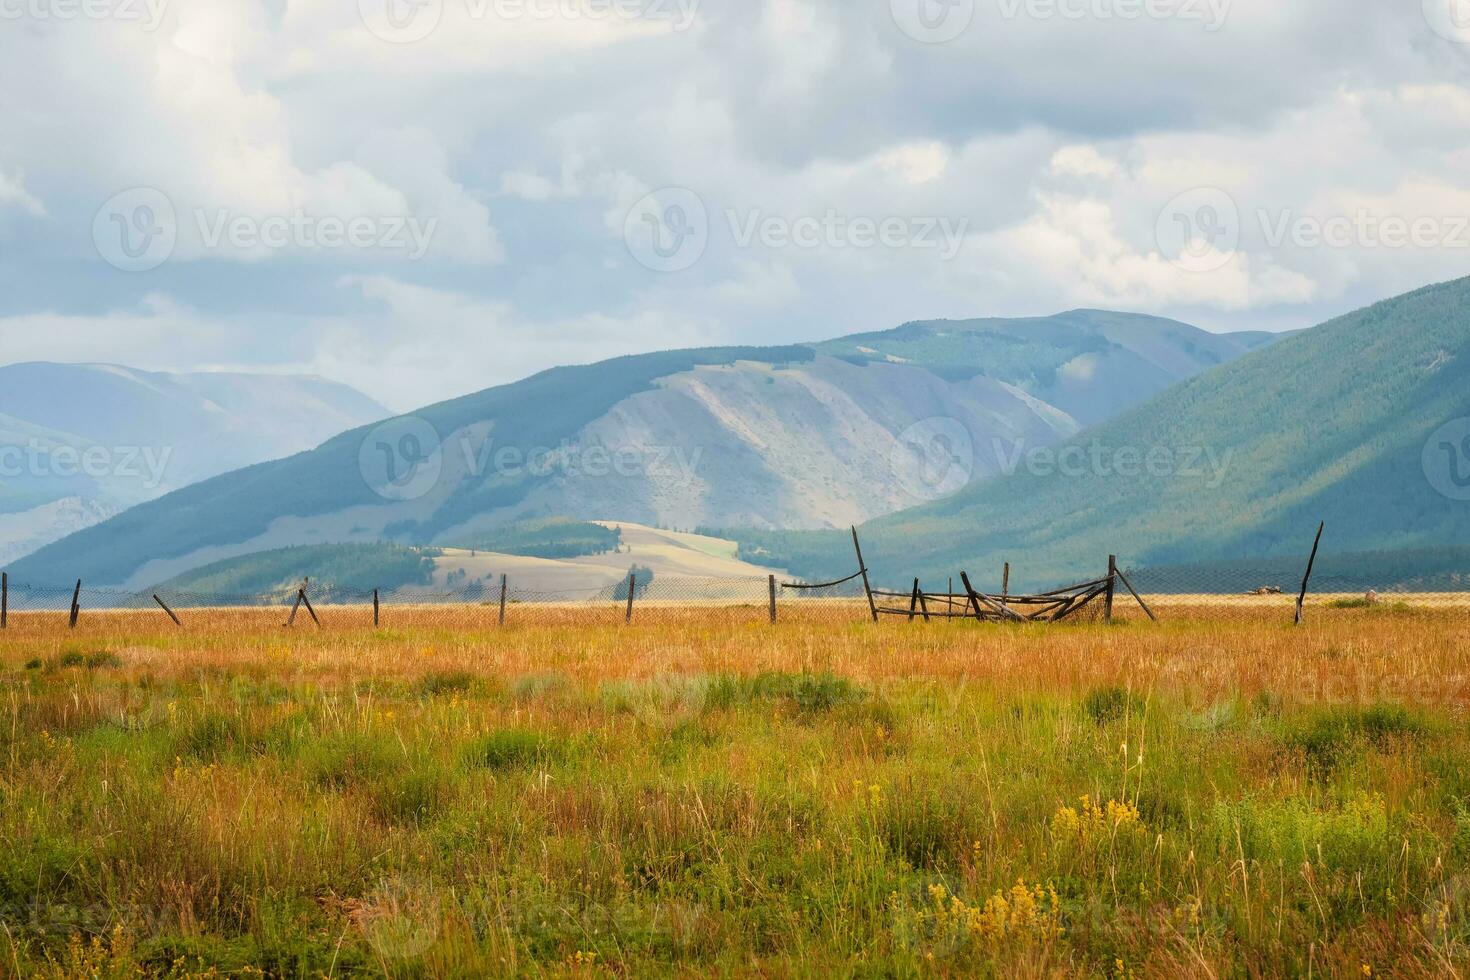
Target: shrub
(212,736)
(1107,704)
(348,759)
(410,798)
(446,682)
(509,749)
(1326,737)
(808,693)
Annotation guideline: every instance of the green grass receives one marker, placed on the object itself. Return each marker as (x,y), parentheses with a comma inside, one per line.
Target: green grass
(324,814)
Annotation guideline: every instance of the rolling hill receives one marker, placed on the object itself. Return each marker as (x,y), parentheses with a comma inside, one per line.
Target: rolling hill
(82,442)
(806,436)
(1363,422)
(353,570)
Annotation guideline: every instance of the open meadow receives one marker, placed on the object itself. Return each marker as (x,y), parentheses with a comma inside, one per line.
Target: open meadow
(1219,794)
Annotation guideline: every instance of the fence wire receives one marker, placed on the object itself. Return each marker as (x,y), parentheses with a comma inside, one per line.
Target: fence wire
(1246,592)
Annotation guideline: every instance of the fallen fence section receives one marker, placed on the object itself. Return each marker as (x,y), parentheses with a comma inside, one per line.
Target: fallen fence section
(1048,607)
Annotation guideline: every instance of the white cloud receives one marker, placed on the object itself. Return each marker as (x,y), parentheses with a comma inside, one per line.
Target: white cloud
(13,193)
(526,139)
(1082,160)
(919,163)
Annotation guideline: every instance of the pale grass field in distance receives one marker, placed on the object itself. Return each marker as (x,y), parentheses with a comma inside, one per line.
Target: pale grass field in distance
(1220,794)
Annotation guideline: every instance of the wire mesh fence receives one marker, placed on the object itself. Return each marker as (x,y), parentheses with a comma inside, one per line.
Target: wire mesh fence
(480,604)
(1127,594)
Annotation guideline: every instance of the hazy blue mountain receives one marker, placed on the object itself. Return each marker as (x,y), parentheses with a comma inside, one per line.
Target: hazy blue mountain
(81,442)
(806,436)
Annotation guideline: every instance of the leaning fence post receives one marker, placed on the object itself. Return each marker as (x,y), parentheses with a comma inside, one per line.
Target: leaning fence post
(502,599)
(772,582)
(1302,598)
(76,604)
(1123,577)
(867,587)
(632,587)
(294,606)
(307,603)
(4,598)
(164,606)
(1112,584)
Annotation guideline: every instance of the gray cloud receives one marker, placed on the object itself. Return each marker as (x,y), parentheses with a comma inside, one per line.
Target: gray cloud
(1054,137)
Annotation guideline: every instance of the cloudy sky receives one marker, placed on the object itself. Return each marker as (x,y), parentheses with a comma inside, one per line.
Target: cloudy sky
(427,197)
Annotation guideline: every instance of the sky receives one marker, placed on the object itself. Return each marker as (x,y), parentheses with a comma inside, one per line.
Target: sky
(423,198)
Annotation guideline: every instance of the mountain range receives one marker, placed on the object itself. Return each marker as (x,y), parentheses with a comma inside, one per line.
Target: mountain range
(1362,422)
(80,443)
(806,436)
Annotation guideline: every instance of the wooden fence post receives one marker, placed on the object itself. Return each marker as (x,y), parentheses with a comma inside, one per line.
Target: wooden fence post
(1005,585)
(1002,612)
(503,581)
(1112,585)
(4,598)
(76,604)
(294,606)
(164,606)
(375,608)
(632,588)
(771,580)
(867,586)
(1301,599)
(1123,577)
(914,602)
(307,603)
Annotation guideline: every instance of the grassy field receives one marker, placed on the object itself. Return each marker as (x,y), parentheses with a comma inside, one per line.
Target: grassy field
(711,794)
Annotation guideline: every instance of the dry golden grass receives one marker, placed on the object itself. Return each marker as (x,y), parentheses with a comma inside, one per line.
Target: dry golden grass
(704,792)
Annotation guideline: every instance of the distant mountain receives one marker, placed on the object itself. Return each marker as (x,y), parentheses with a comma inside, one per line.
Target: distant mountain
(806,436)
(1363,422)
(1091,364)
(81,442)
